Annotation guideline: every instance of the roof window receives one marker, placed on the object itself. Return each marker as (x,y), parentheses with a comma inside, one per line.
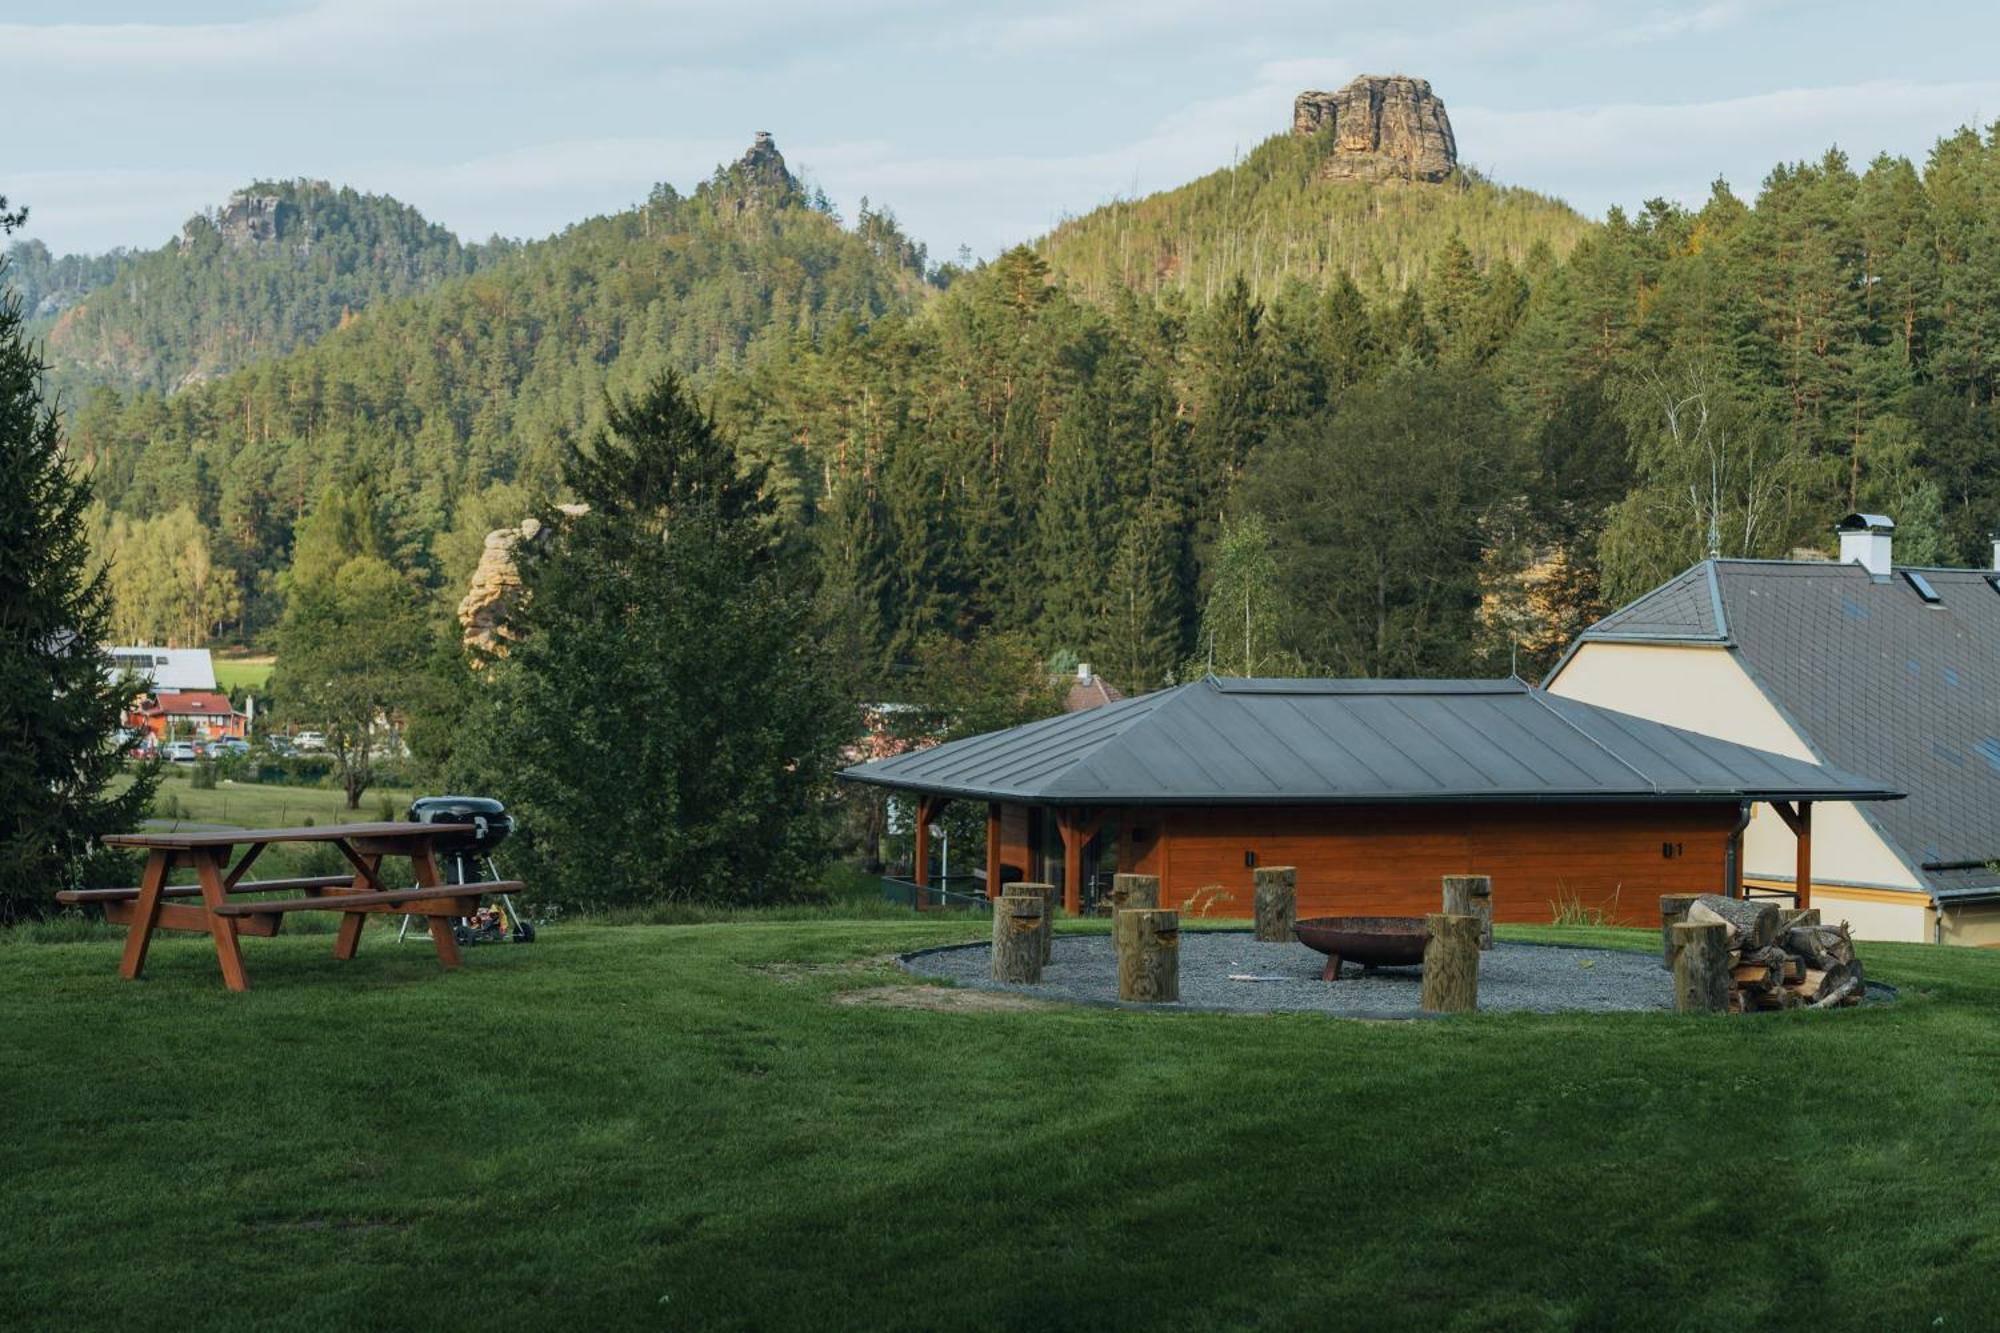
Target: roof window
(1923,586)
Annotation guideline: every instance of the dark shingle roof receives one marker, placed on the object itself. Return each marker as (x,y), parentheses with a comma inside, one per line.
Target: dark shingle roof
(1333,741)
(1685,608)
(1877,679)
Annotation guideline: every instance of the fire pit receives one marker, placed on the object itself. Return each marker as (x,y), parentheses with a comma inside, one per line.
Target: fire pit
(1372,941)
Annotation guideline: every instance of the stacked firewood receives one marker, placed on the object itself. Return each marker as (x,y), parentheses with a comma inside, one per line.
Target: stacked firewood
(1779,958)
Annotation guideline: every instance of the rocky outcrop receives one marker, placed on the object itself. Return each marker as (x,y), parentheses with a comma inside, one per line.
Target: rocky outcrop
(496,583)
(1381,127)
(759,179)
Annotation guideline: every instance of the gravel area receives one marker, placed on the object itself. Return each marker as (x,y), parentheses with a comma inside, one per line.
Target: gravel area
(1533,977)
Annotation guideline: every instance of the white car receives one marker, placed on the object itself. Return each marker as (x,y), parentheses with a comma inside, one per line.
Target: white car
(309,742)
(179,752)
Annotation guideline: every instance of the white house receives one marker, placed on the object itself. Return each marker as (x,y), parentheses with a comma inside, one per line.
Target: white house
(1861,664)
(168,669)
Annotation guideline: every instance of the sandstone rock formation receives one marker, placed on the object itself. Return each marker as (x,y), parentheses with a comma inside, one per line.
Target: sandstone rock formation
(1383,127)
(496,584)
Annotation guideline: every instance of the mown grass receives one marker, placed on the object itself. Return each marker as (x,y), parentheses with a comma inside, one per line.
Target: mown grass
(678,1126)
(244,673)
(272,805)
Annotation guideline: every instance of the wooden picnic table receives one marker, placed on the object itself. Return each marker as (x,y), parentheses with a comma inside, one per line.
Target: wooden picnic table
(208,851)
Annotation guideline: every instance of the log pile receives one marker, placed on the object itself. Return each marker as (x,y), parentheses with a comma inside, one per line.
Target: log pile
(1774,957)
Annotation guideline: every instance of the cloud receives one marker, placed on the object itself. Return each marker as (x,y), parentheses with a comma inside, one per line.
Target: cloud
(1596,156)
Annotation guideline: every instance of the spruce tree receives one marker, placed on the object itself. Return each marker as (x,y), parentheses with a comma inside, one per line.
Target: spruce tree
(60,714)
(662,721)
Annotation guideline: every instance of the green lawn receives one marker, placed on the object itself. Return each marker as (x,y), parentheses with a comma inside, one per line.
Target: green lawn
(679,1126)
(259,805)
(249,673)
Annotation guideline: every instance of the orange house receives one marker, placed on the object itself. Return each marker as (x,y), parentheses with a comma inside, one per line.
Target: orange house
(1373,789)
(195,714)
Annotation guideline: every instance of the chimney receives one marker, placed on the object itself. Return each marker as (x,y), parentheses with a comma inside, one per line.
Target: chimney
(1865,541)
(1995,536)
(1083,668)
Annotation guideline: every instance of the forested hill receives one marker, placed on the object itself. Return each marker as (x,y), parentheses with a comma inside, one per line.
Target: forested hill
(448,408)
(278,265)
(1277,216)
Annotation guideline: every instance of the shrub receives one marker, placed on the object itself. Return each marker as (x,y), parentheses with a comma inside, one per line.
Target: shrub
(203,778)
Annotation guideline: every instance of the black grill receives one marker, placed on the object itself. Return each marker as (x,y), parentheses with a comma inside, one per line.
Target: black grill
(463,853)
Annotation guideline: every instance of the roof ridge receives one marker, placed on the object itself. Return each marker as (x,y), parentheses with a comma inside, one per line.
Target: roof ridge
(1541,697)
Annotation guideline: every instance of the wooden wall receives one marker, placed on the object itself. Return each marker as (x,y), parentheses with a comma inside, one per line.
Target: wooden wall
(1388,860)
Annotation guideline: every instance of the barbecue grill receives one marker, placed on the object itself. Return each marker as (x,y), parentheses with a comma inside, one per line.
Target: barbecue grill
(467,858)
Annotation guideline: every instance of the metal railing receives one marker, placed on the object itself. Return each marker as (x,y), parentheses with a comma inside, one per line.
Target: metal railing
(964,893)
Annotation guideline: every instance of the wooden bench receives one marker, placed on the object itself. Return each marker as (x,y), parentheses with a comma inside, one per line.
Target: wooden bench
(194,890)
(439,904)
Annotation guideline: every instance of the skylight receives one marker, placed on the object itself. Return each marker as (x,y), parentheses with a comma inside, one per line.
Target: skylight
(1923,586)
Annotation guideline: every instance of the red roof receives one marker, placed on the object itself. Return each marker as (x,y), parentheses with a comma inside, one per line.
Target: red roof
(189,703)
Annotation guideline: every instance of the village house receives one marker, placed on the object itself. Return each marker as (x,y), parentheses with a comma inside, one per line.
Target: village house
(1860,663)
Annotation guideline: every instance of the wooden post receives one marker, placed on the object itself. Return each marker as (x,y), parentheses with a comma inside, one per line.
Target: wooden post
(1673,911)
(1471,895)
(1701,967)
(993,849)
(1451,964)
(1047,893)
(1799,820)
(1017,937)
(1077,831)
(1149,967)
(1277,902)
(922,857)
(1128,892)
(1802,876)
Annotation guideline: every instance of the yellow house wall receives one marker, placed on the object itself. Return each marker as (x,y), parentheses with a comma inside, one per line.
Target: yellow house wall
(1705,689)
(1975,925)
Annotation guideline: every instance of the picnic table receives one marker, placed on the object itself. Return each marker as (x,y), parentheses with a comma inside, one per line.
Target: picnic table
(225,912)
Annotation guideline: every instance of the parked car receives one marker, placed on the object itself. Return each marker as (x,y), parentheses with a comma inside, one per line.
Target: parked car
(310,742)
(229,745)
(180,752)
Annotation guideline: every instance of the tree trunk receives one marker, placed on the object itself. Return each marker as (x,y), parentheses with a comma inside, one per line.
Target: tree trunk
(1673,911)
(1451,964)
(1127,892)
(1277,902)
(1702,983)
(1017,937)
(1047,893)
(1471,895)
(1753,922)
(1149,967)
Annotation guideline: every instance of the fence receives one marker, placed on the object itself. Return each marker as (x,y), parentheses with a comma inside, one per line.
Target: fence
(964,893)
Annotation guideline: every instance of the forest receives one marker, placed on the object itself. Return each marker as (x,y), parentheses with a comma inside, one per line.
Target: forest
(1262,424)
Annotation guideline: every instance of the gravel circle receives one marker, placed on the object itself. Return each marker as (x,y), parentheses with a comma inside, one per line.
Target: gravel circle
(1533,978)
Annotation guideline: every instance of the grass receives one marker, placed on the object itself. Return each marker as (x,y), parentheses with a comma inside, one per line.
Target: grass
(243,673)
(644,1126)
(261,805)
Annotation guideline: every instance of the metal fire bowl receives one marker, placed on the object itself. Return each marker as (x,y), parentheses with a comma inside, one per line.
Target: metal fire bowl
(1372,941)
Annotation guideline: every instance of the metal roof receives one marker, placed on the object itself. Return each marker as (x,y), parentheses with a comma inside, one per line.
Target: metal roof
(1874,678)
(1268,741)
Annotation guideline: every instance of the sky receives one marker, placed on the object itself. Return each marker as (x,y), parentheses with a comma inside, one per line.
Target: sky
(978,125)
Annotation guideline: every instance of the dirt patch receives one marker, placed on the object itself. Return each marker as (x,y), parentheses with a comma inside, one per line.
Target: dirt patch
(790,974)
(938,999)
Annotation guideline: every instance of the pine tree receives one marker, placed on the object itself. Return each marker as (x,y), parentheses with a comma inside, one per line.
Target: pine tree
(59,713)
(1069,524)
(662,721)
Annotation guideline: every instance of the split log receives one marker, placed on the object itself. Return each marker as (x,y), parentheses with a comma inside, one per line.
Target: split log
(1277,902)
(1451,964)
(1673,911)
(1756,976)
(1821,946)
(1701,967)
(1471,895)
(1754,921)
(1796,916)
(1017,937)
(1149,967)
(1047,893)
